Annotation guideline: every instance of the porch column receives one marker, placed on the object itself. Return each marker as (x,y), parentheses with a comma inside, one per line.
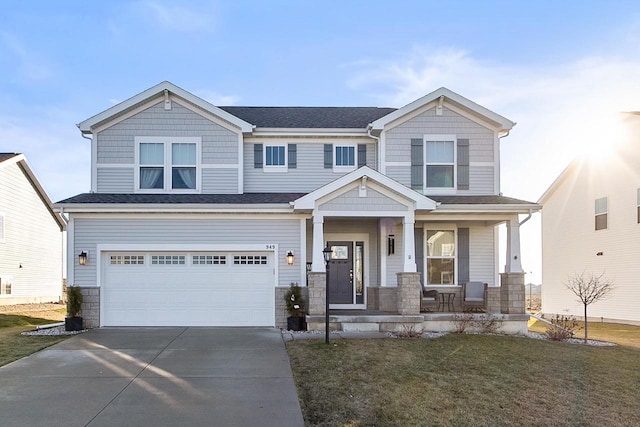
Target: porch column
(409,240)
(317,259)
(513,264)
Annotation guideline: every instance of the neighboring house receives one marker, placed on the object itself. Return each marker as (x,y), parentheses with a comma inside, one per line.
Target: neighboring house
(194,208)
(30,237)
(591,225)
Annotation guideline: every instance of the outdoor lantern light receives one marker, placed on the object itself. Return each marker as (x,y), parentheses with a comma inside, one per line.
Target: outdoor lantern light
(290,258)
(327,256)
(391,244)
(82,258)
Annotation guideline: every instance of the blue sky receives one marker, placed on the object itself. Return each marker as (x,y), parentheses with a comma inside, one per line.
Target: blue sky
(559,69)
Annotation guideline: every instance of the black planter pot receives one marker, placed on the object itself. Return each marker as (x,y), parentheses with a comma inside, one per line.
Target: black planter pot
(73,324)
(296,324)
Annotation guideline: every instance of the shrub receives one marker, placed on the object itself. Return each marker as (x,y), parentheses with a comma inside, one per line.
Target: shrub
(562,328)
(488,323)
(295,303)
(462,322)
(74,301)
(408,331)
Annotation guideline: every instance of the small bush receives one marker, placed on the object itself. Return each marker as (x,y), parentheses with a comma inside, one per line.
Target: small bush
(462,322)
(294,301)
(74,301)
(488,323)
(562,328)
(408,331)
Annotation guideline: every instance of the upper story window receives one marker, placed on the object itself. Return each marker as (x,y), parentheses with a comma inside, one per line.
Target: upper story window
(345,156)
(167,164)
(275,158)
(440,162)
(601,213)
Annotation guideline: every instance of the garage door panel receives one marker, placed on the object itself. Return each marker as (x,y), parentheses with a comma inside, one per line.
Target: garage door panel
(188,294)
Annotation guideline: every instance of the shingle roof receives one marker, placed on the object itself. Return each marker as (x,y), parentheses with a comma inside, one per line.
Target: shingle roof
(309,117)
(7,156)
(478,200)
(254,198)
(214,199)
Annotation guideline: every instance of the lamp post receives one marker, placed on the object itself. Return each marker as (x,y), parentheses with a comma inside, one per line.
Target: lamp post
(326,253)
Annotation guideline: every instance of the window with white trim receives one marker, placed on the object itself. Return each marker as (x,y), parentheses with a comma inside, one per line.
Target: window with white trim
(5,285)
(601,213)
(441,257)
(209,260)
(167,165)
(439,160)
(344,156)
(127,259)
(275,158)
(168,259)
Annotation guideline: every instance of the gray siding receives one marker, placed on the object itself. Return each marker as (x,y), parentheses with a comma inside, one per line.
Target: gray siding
(309,174)
(481,180)
(351,201)
(32,239)
(481,143)
(181,231)
(395,262)
(115,180)
(220,181)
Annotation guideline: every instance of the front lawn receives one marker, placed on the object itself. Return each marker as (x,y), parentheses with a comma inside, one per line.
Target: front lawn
(612,332)
(465,380)
(14,346)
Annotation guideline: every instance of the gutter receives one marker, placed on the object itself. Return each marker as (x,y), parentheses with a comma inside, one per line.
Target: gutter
(527,218)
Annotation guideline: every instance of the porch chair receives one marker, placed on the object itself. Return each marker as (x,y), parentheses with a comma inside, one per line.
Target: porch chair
(429,299)
(474,296)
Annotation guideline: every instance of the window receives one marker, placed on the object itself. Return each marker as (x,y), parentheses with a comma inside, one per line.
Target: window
(601,213)
(637,200)
(127,259)
(274,155)
(168,259)
(250,259)
(209,260)
(440,162)
(165,164)
(345,156)
(441,256)
(5,285)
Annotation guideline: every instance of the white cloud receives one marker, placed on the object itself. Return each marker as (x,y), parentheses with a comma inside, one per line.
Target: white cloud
(178,18)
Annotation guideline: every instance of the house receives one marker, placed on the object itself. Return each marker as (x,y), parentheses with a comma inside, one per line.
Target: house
(591,225)
(204,215)
(30,237)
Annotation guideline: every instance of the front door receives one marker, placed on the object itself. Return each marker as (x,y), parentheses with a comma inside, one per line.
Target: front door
(341,273)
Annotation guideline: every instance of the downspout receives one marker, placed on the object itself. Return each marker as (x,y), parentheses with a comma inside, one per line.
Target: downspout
(527,218)
(378,148)
(93,177)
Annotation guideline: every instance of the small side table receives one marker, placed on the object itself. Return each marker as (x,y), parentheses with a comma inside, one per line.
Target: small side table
(446,298)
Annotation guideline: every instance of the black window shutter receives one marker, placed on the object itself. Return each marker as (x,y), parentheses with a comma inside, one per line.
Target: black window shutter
(328,156)
(293,156)
(362,155)
(463,164)
(417,163)
(463,255)
(257,156)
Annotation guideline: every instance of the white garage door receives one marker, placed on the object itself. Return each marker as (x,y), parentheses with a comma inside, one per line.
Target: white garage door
(188,289)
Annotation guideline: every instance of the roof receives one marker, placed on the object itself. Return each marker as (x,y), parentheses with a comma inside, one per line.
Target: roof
(164,199)
(7,159)
(309,117)
(478,200)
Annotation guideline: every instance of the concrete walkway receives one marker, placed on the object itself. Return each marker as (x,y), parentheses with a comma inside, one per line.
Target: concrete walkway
(154,377)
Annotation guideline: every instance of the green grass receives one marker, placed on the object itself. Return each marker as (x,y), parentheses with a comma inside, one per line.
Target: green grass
(14,346)
(465,380)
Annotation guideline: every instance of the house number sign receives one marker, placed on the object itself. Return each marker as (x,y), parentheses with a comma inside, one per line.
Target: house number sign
(270,247)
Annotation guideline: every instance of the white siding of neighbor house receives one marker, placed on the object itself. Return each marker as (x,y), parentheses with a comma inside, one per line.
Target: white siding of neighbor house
(32,238)
(351,201)
(168,230)
(481,146)
(116,144)
(220,180)
(310,173)
(115,180)
(570,242)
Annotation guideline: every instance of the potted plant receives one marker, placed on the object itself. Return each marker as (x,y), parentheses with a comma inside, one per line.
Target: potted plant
(73,322)
(295,308)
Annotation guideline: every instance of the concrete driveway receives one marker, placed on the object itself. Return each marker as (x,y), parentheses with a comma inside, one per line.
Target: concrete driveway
(154,377)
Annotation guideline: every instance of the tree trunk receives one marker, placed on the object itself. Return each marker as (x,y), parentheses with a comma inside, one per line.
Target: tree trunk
(585,323)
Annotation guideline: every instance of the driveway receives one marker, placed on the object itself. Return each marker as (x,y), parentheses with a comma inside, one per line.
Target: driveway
(154,377)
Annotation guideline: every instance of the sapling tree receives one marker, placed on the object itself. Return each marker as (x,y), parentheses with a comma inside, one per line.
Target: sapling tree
(589,288)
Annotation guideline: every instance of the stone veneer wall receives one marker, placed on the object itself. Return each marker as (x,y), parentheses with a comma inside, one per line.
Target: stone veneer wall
(388,299)
(316,284)
(493,299)
(409,293)
(90,311)
(281,306)
(512,296)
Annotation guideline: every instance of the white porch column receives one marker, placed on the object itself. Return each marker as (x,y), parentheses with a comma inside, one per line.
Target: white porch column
(409,240)
(513,264)
(318,265)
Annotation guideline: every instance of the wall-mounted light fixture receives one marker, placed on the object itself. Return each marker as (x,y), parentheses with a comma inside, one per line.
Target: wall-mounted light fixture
(82,258)
(290,258)
(391,244)
(600,254)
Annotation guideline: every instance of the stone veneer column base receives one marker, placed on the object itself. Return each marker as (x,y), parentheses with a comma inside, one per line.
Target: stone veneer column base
(512,296)
(317,283)
(90,311)
(409,291)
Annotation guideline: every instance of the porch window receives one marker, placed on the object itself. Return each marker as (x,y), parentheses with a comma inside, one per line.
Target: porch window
(440,163)
(5,285)
(601,213)
(441,256)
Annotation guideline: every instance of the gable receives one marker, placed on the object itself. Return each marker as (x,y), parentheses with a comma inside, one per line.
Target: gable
(359,200)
